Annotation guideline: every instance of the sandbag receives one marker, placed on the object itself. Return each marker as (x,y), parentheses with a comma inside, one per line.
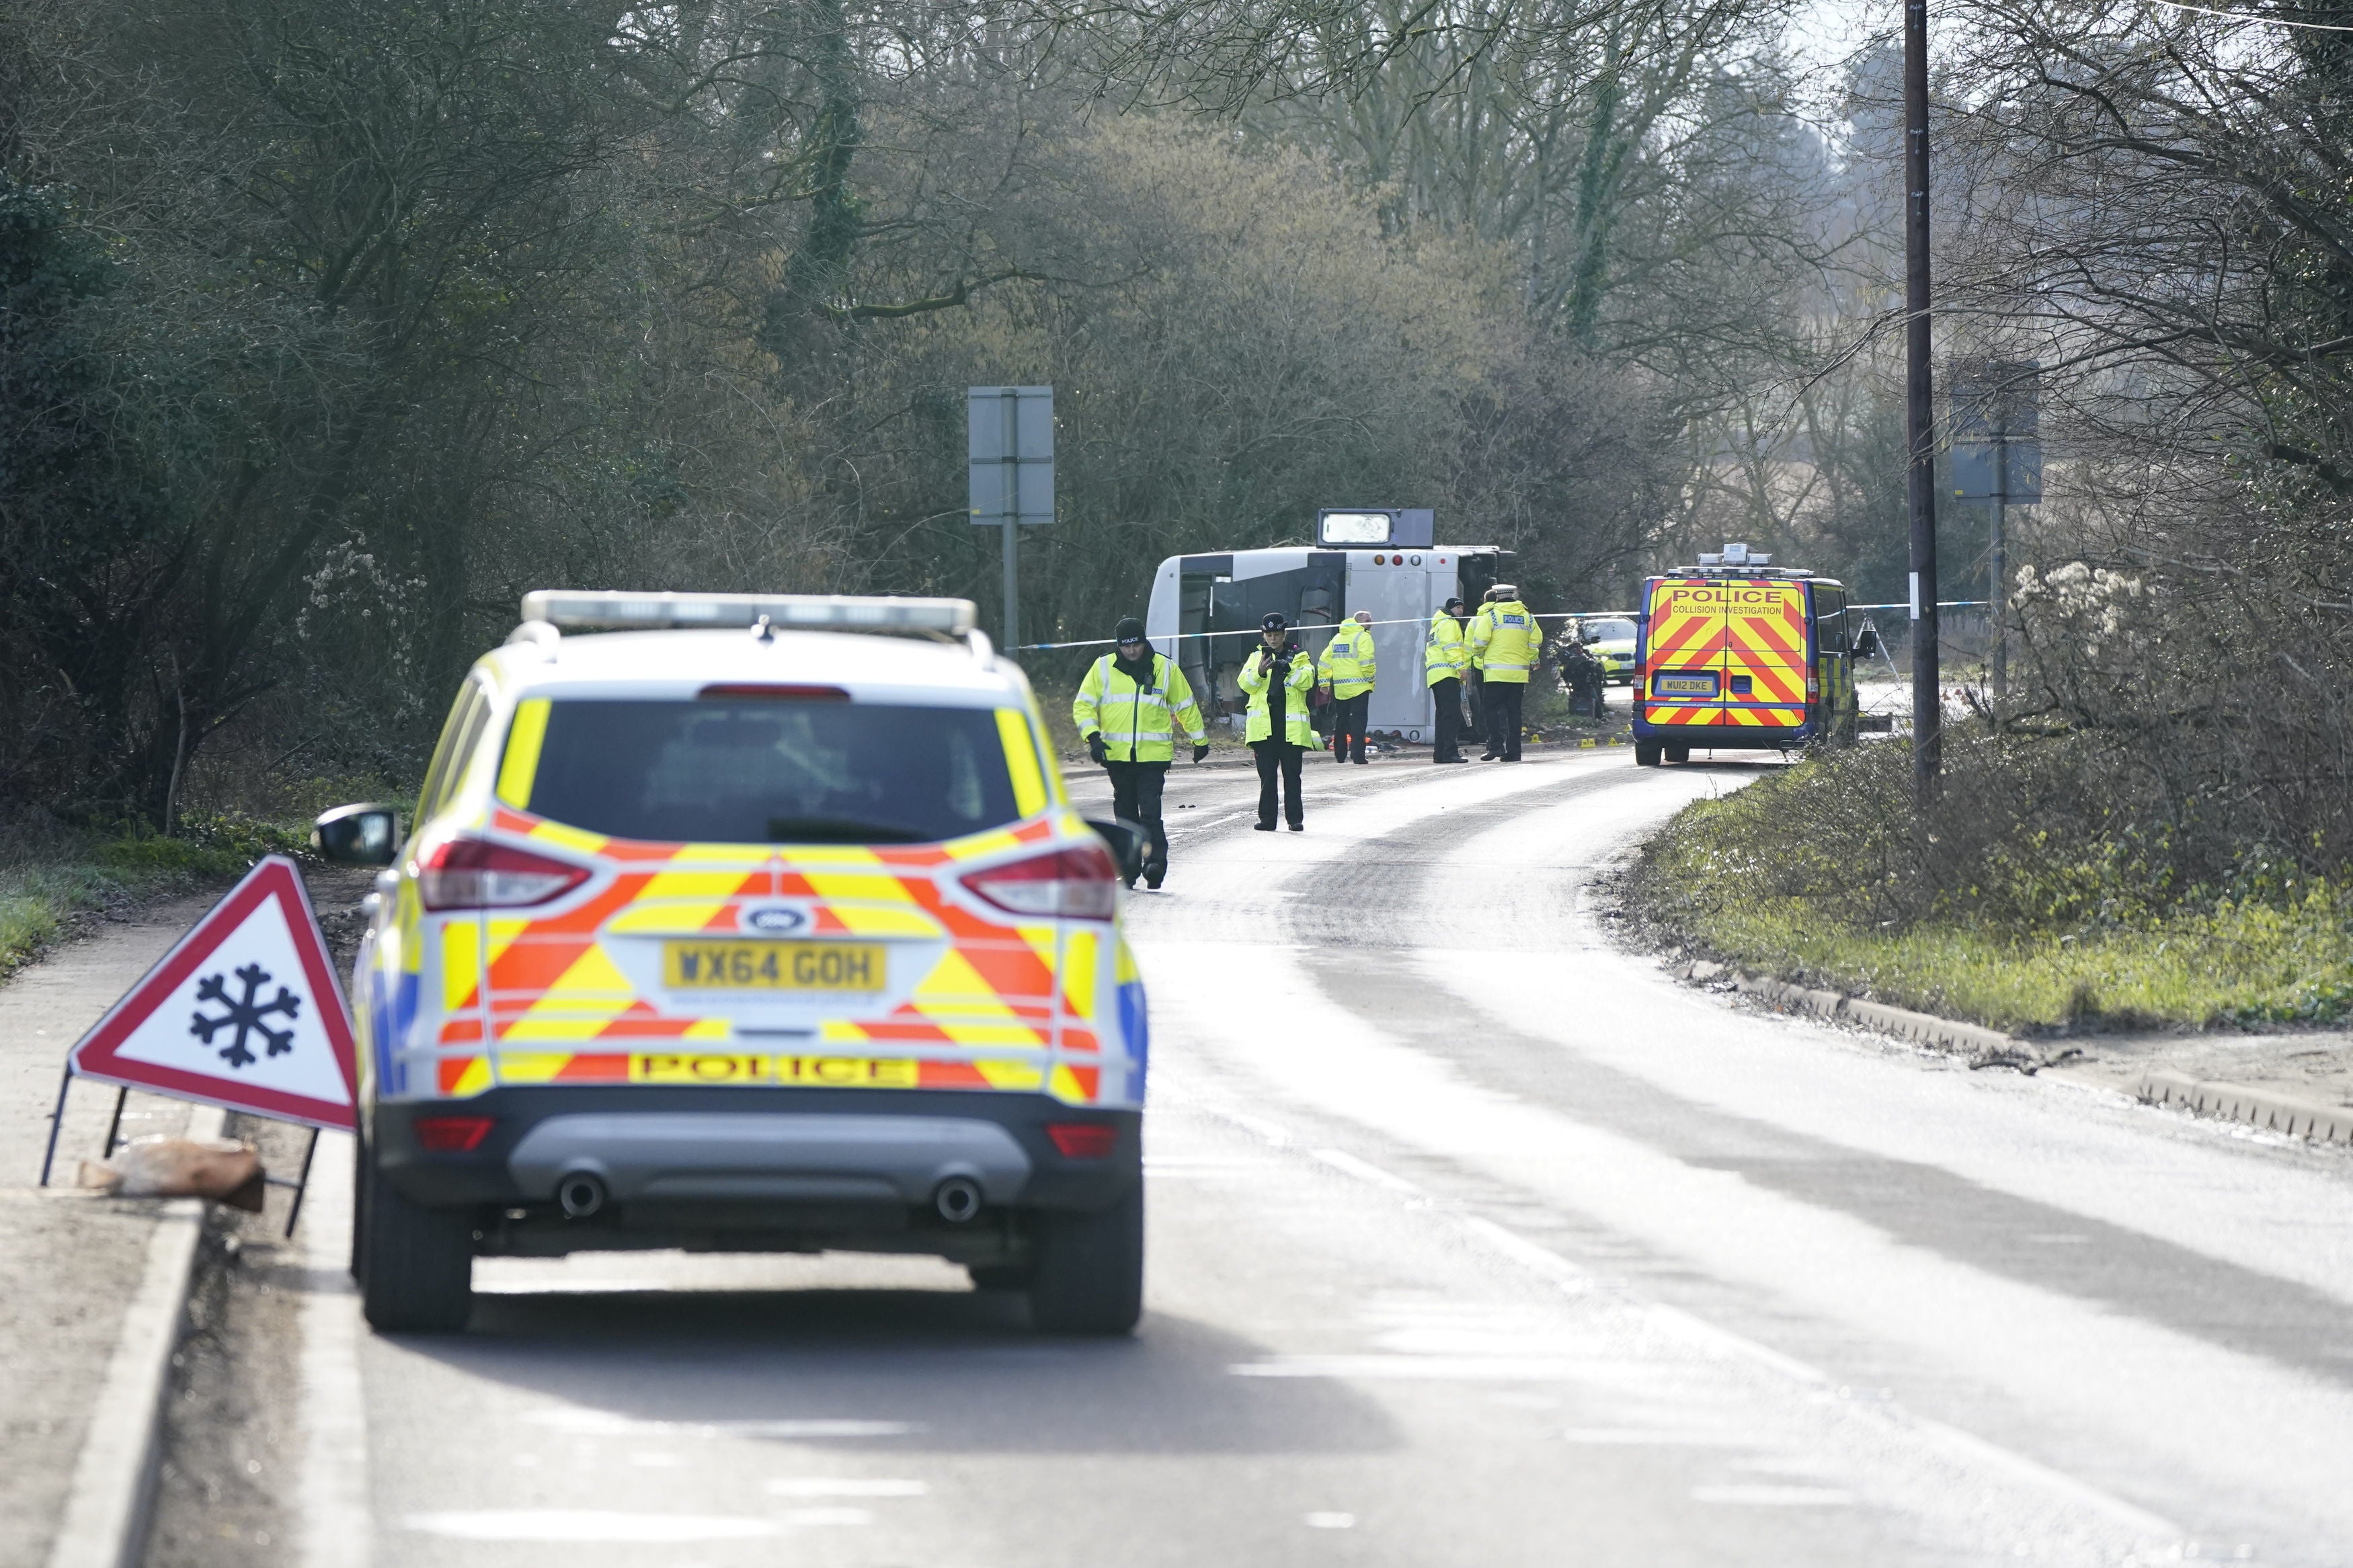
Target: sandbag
(222,1169)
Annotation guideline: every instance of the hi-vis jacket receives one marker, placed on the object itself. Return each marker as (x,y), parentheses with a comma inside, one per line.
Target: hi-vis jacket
(1134,719)
(1505,642)
(1346,664)
(1443,656)
(1253,679)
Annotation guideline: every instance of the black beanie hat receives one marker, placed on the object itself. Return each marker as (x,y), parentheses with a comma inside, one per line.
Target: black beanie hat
(1129,629)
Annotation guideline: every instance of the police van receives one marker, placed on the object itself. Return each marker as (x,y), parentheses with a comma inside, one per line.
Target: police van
(1741,654)
(1205,609)
(747,923)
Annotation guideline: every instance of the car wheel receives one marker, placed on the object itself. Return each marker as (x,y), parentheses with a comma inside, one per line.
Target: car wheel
(1646,753)
(416,1264)
(1088,1274)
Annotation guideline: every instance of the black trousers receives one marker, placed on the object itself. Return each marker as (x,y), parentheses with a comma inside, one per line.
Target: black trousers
(1135,790)
(1448,695)
(1501,701)
(1348,725)
(1284,760)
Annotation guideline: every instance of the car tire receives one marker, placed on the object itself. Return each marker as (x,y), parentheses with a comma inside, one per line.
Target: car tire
(1088,1277)
(417,1264)
(1678,753)
(1646,753)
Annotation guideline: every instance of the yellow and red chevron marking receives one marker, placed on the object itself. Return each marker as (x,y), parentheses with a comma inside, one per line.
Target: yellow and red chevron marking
(553,994)
(1751,627)
(1694,715)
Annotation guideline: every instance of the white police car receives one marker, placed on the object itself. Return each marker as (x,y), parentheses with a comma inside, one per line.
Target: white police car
(748,924)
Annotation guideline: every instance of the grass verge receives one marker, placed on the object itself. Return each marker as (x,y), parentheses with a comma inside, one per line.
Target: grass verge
(51,875)
(1740,879)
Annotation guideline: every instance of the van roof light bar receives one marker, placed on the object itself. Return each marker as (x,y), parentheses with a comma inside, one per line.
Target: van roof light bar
(613,610)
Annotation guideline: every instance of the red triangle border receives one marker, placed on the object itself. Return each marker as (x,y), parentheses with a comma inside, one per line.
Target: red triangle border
(275,876)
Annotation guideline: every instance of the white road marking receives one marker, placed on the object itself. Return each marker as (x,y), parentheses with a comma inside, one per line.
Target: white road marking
(1431,1368)
(609,1526)
(1331,1521)
(1365,1171)
(1762,1496)
(588,1423)
(336,1527)
(1260,1127)
(843,1486)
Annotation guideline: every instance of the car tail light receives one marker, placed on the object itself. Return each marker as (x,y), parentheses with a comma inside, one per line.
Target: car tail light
(476,874)
(452,1134)
(1083,1139)
(1077,883)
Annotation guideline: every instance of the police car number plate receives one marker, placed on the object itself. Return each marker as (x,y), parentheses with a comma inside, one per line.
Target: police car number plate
(1696,683)
(773,966)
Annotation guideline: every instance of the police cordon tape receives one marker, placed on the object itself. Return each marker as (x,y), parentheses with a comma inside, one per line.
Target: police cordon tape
(1416,621)
(1319,626)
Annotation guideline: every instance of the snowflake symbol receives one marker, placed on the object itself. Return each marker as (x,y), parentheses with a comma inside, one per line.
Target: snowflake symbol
(245,1015)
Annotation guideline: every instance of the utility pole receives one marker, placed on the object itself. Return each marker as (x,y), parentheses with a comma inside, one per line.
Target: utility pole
(1920,411)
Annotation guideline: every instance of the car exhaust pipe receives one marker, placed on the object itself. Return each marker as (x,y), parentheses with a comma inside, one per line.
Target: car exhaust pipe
(581,1193)
(958,1199)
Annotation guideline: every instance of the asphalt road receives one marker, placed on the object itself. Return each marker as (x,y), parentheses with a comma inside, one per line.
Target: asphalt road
(1473,1241)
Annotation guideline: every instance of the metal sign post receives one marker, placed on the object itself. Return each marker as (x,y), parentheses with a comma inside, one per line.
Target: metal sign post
(1997,458)
(1009,475)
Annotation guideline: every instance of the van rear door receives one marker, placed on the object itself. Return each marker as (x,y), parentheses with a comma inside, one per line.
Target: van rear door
(1764,657)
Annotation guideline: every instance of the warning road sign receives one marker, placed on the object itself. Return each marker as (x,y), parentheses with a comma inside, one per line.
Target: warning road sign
(243,1011)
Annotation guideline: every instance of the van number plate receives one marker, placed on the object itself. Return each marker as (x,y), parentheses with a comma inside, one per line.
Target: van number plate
(773,966)
(1696,683)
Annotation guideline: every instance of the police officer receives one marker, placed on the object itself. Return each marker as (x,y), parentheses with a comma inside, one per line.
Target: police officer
(1123,709)
(1345,672)
(1506,648)
(1443,660)
(1278,674)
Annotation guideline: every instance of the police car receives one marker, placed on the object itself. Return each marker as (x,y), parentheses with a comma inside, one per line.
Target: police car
(747,924)
(1610,640)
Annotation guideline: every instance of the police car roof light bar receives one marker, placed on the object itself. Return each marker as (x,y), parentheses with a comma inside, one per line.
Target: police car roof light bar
(613,610)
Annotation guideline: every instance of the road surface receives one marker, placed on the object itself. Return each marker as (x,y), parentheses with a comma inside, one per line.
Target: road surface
(1473,1241)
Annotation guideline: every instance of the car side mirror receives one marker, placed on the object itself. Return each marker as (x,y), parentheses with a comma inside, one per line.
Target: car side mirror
(1866,642)
(364,835)
(1127,841)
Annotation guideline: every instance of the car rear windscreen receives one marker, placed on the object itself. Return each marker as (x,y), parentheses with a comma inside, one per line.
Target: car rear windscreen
(759,771)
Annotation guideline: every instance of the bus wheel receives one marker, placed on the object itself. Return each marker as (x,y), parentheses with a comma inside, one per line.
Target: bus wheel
(1646,753)
(1679,753)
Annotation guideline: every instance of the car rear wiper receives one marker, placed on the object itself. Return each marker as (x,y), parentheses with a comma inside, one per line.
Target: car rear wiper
(836,830)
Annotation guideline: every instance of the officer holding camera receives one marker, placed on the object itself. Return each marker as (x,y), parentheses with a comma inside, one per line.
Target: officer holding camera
(1278,676)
